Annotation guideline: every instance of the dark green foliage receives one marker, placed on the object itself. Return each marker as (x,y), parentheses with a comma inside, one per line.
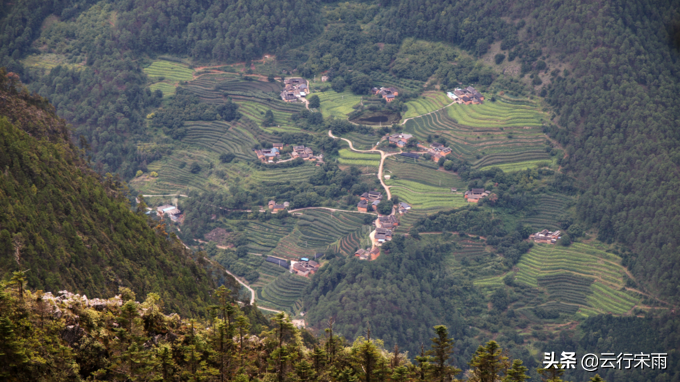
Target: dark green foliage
(195,168)
(341,289)
(72,229)
(499,58)
(229,111)
(314,101)
(385,207)
(268,119)
(227,157)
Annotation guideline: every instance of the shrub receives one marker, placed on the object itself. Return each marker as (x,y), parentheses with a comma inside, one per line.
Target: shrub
(153,174)
(499,58)
(139,173)
(195,168)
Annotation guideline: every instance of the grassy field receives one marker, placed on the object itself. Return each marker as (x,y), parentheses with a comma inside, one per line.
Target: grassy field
(427,103)
(48,61)
(338,105)
(349,157)
(387,80)
(172,71)
(580,274)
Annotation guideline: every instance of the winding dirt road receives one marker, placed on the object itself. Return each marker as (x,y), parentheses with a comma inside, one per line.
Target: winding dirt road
(383,155)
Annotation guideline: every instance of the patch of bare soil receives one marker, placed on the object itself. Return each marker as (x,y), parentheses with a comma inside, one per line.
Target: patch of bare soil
(218,236)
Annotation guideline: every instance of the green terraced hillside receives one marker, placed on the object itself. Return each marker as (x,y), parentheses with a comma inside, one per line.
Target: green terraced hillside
(283,293)
(549,207)
(482,146)
(496,114)
(172,71)
(426,103)
(580,275)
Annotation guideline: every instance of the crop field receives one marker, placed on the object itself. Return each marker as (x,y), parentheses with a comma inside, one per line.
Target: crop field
(550,207)
(353,158)
(48,61)
(427,103)
(496,114)
(419,172)
(578,274)
(519,166)
(338,105)
(422,196)
(387,80)
(172,71)
(349,244)
(283,292)
(220,137)
(481,146)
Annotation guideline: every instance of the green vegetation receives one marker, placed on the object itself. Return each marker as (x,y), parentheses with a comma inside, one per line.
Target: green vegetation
(73,229)
(421,196)
(283,292)
(167,89)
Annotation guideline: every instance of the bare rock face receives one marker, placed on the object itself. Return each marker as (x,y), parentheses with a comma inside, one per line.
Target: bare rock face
(72,334)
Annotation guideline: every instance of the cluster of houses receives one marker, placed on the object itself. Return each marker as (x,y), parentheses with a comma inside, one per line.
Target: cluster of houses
(381,236)
(476,194)
(545,236)
(305,153)
(304,267)
(275,207)
(294,89)
(367,254)
(436,150)
(171,211)
(369,199)
(400,139)
(388,94)
(270,155)
(467,96)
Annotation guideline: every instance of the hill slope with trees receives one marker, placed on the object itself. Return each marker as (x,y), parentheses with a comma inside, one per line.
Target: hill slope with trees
(70,229)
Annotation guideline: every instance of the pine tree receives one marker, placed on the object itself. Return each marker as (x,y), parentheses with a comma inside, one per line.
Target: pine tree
(516,373)
(596,378)
(552,374)
(488,363)
(442,349)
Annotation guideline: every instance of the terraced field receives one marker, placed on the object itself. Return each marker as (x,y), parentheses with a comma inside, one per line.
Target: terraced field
(173,176)
(362,141)
(172,71)
(424,172)
(349,157)
(422,196)
(268,273)
(220,137)
(550,207)
(263,237)
(483,146)
(519,166)
(338,105)
(580,274)
(496,114)
(427,103)
(316,230)
(283,292)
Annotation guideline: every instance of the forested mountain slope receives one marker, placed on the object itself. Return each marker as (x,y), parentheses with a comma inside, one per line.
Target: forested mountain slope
(67,229)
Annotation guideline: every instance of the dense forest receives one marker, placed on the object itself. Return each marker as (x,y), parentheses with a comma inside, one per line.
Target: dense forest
(73,229)
(67,338)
